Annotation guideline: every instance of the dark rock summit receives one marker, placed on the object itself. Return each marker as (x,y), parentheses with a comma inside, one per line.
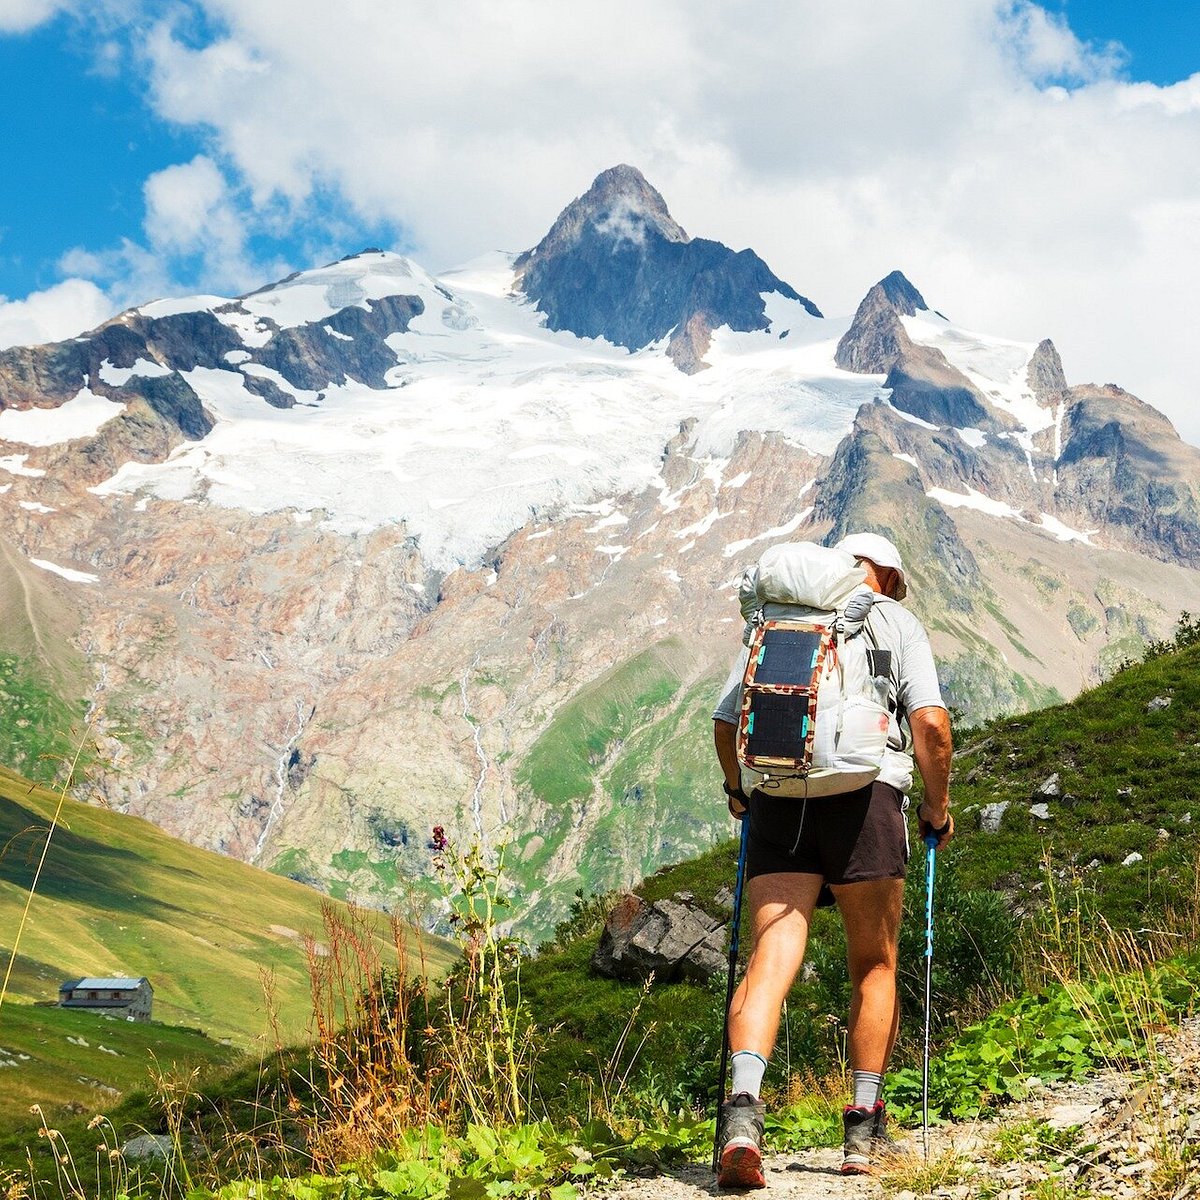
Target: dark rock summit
(617,265)
(922,382)
(901,294)
(876,339)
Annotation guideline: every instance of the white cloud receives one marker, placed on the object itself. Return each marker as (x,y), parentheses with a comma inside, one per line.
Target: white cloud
(196,226)
(190,209)
(59,312)
(20,16)
(1008,168)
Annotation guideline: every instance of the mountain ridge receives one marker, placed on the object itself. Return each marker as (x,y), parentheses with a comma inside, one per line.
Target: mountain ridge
(299,591)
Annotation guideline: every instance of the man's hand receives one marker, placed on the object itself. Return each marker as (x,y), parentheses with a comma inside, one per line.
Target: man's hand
(738,800)
(942,829)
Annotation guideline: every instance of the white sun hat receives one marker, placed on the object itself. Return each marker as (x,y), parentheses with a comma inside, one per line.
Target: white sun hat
(880,551)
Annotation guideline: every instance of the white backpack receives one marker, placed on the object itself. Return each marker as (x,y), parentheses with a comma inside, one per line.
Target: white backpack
(814,719)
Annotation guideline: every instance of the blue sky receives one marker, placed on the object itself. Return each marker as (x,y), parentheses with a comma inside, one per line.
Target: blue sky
(1161,37)
(82,137)
(1036,174)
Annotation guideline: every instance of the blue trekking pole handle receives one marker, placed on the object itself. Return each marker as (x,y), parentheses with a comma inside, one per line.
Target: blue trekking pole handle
(931,841)
(734,938)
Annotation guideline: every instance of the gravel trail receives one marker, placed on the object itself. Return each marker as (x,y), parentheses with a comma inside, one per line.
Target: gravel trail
(1116,1135)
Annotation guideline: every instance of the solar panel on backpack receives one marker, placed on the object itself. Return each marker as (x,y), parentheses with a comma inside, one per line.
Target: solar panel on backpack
(779,695)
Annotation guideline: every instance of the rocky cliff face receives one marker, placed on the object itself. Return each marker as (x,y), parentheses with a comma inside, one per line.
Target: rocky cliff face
(368,551)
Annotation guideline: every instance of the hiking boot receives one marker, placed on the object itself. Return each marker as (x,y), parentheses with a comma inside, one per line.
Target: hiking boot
(740,1162)
(880,1138)
(860,1125)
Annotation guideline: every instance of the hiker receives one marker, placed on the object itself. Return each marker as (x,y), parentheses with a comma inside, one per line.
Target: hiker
(850,849)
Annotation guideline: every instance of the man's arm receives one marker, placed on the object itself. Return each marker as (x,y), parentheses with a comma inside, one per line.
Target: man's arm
(932,749)
(725,740)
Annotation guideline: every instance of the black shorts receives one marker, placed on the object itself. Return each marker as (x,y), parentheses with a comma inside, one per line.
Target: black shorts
(851,838)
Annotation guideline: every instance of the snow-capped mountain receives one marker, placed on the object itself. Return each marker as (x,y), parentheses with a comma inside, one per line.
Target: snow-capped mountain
(369,550)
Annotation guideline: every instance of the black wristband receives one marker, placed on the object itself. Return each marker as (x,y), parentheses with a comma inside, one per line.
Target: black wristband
(940,833)
(736,793)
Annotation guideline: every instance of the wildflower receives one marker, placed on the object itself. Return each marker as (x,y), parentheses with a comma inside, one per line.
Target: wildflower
(438,841)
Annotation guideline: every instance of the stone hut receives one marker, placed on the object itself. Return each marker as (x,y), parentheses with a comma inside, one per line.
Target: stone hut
(128,998)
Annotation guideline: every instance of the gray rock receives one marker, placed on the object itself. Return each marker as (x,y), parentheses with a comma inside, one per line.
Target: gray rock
(990,814)
(1158,704)
(147,1145)
(1123,468)
(1049,787)
(1041,811)
(669,939)
(1130,859)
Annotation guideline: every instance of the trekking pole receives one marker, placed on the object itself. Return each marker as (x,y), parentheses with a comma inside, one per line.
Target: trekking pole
(733,959)
(931,841)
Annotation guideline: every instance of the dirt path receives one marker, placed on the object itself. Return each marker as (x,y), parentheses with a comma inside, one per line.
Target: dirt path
(1117,1135)
(806,1175)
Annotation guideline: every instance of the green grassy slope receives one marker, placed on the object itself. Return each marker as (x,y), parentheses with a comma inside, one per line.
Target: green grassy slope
(1129,778)
(43,678)
(636,744)
(118,896)
(48,1055)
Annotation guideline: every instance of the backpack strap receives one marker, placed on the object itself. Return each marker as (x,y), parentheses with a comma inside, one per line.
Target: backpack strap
(894,705)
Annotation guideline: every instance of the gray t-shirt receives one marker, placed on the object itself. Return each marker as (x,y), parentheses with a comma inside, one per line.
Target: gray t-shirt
(914,682)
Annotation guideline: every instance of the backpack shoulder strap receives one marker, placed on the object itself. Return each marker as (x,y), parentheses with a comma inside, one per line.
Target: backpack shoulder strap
(894,705)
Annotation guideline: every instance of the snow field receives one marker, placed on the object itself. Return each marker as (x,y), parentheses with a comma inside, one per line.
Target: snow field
(997,508)
(494,419)
(79,417)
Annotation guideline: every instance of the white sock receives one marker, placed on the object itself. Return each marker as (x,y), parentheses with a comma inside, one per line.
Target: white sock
(748,1071)
(868,1087)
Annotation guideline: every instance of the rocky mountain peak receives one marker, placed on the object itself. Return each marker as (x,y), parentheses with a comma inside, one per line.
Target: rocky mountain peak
(901,295)
(620,206)
(876,339)
(617,265)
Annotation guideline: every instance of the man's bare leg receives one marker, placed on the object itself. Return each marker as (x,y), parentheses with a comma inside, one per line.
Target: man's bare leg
(781,908)
(871,915)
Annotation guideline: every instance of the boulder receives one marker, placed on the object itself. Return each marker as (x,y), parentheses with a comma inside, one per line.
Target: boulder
(671,939)
(1158,704)
(990,814)
(147,1145)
